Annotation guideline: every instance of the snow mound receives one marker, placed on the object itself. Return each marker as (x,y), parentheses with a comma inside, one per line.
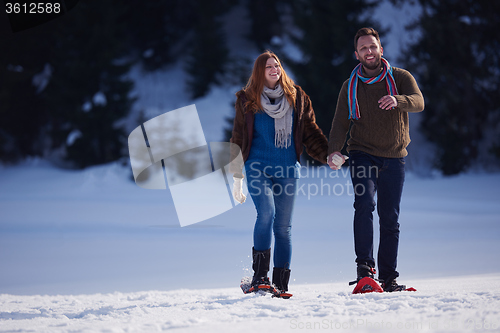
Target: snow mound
(458,304)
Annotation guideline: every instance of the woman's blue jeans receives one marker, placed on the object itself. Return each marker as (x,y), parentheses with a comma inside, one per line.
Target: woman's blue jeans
(274,199)
(384,177)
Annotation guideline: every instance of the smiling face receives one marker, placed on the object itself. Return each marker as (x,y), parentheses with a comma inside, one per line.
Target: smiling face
(369,52)
(272,73)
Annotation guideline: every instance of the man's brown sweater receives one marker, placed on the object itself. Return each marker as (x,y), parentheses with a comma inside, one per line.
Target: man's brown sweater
(378,132)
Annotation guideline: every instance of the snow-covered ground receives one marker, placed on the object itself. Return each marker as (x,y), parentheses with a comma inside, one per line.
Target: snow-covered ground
(448,305)
(86,251)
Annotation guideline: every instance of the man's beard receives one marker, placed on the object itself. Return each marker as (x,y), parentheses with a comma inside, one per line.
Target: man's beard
(373,65)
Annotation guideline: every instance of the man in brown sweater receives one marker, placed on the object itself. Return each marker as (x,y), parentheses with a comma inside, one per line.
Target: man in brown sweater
(375,102)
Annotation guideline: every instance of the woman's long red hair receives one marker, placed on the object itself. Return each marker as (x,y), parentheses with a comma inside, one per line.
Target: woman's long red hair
(255,84)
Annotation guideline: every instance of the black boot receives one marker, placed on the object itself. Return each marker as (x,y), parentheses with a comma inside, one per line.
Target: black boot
(281,276)
(364,270)
(260,267)
(392,285)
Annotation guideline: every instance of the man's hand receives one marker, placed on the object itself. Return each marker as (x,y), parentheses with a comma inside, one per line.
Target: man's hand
(387,102)
(238,190)
(335,160)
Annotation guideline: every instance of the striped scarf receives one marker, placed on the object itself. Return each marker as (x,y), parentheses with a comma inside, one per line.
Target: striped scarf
(352,88)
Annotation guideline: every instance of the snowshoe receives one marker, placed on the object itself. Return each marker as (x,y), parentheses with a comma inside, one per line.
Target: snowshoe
(248,285)
(282,294)
(367,285)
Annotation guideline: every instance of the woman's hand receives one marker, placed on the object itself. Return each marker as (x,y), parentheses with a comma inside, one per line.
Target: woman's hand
(335,160)
(238,190)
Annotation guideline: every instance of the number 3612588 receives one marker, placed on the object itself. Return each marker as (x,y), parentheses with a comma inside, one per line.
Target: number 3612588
(32,8)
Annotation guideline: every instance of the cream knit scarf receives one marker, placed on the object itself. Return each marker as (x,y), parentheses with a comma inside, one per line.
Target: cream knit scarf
(282,113)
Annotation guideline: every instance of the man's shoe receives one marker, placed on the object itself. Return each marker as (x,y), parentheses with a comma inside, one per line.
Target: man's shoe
(393,286)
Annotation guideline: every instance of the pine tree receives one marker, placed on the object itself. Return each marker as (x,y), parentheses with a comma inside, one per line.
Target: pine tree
(457,63)
(156,29)
(65,90)
(266,21)
(89,93)
(21,111)
(326,43)
(209,52)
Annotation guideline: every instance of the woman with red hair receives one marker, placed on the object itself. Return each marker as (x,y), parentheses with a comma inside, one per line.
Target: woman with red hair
(274,120)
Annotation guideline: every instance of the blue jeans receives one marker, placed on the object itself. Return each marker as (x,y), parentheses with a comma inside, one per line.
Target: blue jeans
(274,199)
(385,177)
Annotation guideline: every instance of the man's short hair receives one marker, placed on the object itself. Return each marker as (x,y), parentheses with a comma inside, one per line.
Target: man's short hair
(365,32)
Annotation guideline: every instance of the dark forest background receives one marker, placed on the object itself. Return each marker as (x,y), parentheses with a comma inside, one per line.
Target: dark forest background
(63,85)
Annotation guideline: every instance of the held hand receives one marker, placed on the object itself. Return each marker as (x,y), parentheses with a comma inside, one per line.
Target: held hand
(388,102)
(336,159)
(238,190)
